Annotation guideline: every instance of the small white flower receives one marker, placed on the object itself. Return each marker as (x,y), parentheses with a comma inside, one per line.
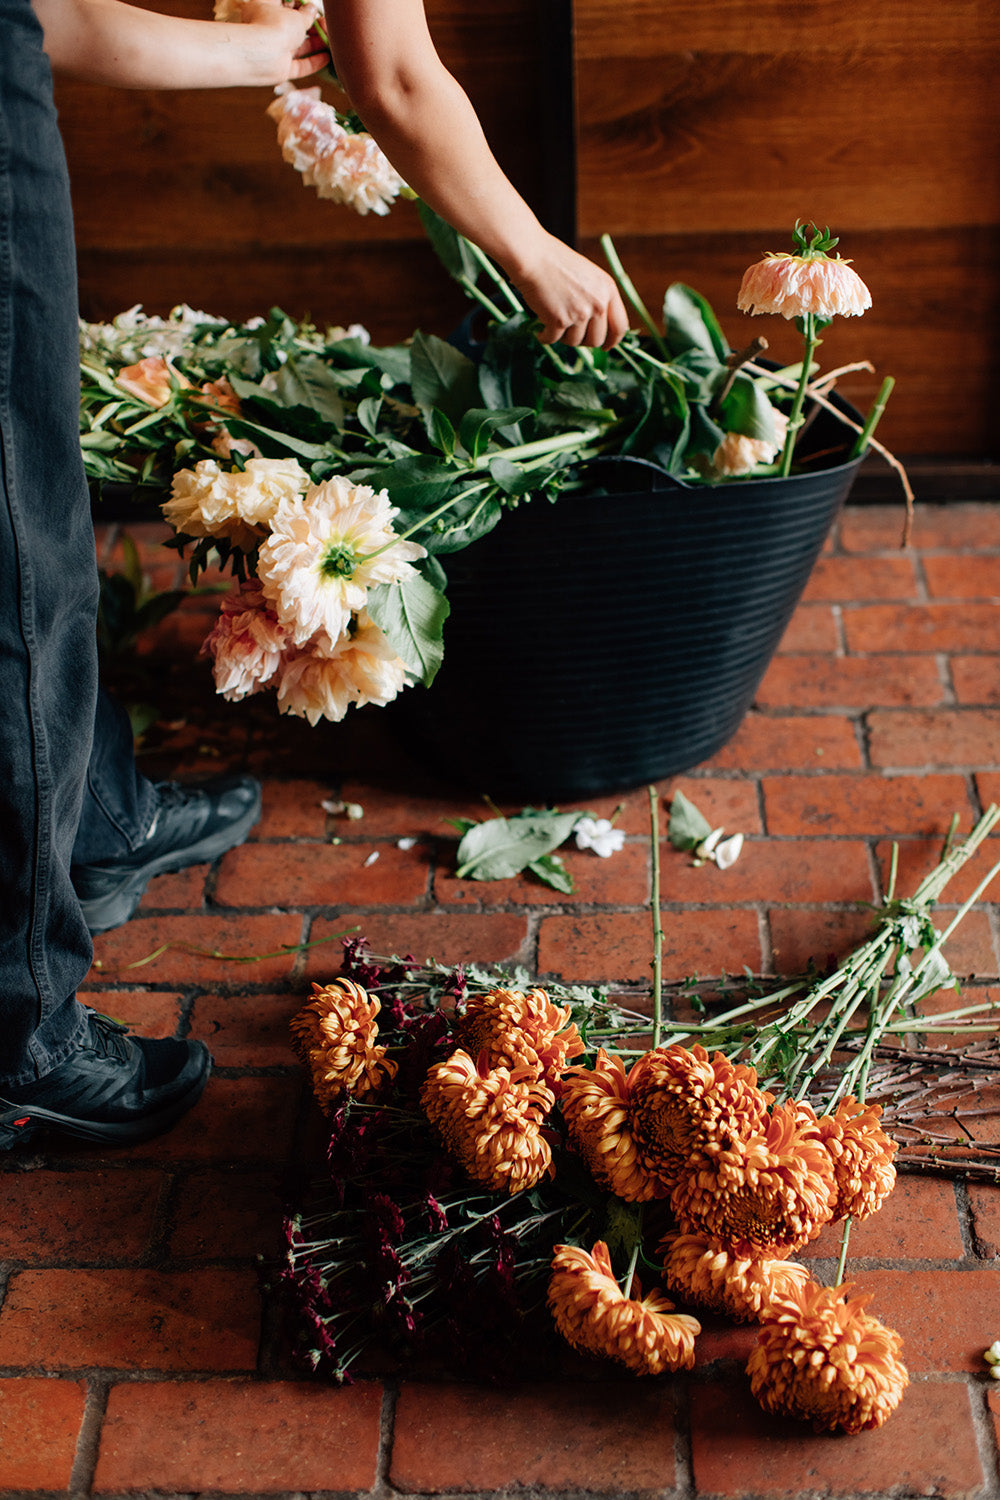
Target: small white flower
(992,1354)
(405,843)
(598,834)
(728,852)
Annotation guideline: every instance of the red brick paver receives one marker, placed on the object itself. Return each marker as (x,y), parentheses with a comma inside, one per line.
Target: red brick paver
(143,1349)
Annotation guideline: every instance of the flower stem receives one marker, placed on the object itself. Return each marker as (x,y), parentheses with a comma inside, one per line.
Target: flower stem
(871,421)
(842,1262)
(795,416)
(625,282)
(654,905)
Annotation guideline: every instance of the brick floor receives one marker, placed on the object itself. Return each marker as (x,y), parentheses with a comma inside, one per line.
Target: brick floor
(141,1351)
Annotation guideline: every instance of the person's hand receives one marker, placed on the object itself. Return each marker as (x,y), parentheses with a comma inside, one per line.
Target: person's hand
(282,40)
(575,300)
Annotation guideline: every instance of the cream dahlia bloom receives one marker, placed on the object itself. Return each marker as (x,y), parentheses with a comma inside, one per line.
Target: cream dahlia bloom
(520,1030)
(317,564)
(346,168)
(738,454)
(491,1121)
(324,681)
(334,1035)
(737,1286)
(593,1314)
(824,1360)
(862,1158)
(595,1106)
(247,644)
(237,504)
(794,285)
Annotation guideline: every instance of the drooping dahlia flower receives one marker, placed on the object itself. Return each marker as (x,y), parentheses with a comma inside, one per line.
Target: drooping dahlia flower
(738,454)
(762,1197)
(346,168)
(323,681)
(246,644)
(593,1314)
(595,1107)
(862,1156)
(737,1286)
(334,1035)
(317,564)
(825,1361)
(794,285)
(520,1030)
(211,501)
(490,1119)
(679,1100)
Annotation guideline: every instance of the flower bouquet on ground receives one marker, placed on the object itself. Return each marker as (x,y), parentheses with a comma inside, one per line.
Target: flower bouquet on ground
(504,1157)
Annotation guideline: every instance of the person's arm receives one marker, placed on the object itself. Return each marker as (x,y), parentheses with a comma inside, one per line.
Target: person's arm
(107,41)
(385,58)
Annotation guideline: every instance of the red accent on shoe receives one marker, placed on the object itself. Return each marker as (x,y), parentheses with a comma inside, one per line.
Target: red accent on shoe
(24,1120)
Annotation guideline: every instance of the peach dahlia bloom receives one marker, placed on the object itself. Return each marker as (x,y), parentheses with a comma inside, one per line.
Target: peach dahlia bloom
(794,285)
(324,681)
(237,504)
(738,454)
(593,1314)
(334,1035)
(346,168)
(862,1158)
(825,1361)
(679,1099)
(153,380)
(247,643)
(520,1030)
(491,1121)
(739,1286)
(316,566)
(762,1197)
(595,1105)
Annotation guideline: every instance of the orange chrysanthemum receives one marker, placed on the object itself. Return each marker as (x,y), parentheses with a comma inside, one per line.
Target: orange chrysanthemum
(520,1031)
(593,1314)
(862,1158)
(766,1196)
(794,285)
(825,1360)
(679,1100)
(491,1121)
(334,1036)
(740,1287)
(595,1105)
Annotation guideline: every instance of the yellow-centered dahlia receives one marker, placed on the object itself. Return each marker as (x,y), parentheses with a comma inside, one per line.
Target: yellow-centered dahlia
(595,1108)
(862,1158)
(766,1196)
(334,1035)
(520,1030)
(824,1360)
(491,1121)
(679,1100)
(593,1314)
(739,1286)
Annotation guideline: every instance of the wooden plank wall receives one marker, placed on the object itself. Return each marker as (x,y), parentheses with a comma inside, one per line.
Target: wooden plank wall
(707,127)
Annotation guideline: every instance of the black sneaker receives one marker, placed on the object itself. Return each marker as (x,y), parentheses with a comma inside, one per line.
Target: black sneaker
(116,1089)
(193,824)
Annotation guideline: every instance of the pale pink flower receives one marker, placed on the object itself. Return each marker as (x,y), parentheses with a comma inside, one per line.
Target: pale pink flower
(246,644)
(794,285)
(319,560)
(345,168)
(153,380)
(211,501)
(738,454)
(361,668)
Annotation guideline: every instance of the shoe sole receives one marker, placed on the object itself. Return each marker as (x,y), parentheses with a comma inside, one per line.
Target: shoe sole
(101,913)
(19,1122)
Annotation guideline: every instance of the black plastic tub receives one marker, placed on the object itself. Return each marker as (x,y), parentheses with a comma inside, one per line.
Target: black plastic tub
(619,635)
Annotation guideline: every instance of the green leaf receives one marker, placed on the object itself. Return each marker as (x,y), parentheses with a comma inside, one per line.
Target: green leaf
(467,522)
(411,614)
(442,433)
(747,410)
(479,423)
(687,825)
(417,484)
(512,478)
(622,1228)
(450,247)
(305,380)
(502,847)
(443,377)
(551,871)
(369,408)
(690,322)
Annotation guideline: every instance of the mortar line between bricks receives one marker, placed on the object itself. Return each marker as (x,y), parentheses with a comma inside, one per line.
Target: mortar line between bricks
(684,1485)
(966,1221)
(88,1441)
(386,1437)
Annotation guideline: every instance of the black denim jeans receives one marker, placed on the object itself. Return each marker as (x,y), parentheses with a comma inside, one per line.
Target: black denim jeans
(66,791)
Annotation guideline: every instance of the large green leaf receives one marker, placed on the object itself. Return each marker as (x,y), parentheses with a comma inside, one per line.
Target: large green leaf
(689,322)
(479,423)
(451,248)
(503,847)
(417,484)
(307,381)
(411,614)
(442,377)
(746,409)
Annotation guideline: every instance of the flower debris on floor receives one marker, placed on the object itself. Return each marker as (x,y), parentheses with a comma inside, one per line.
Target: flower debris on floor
(496,1149)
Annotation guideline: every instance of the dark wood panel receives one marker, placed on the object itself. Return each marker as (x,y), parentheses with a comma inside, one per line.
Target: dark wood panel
(750,142)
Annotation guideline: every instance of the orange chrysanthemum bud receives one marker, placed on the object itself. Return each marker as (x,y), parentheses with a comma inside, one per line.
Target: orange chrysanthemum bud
(595,1105)
(490,1119)
(520,1031)
(594,1315)
(862,1158)
(766,1196)
(679,1100)
(740,1287)
(334,1035)
(824,1360)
